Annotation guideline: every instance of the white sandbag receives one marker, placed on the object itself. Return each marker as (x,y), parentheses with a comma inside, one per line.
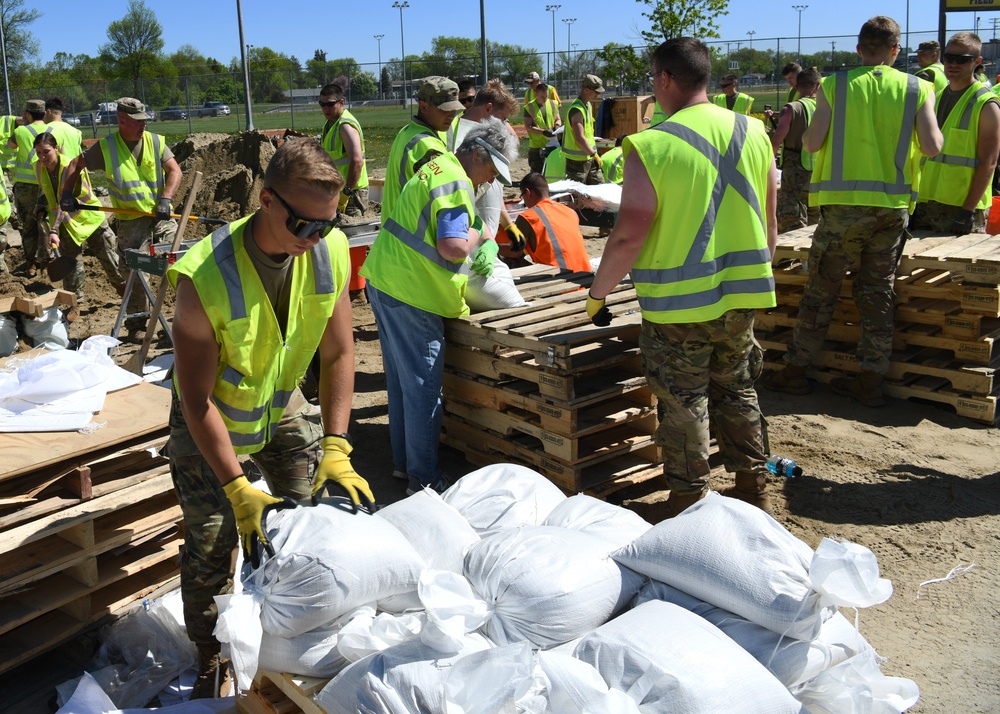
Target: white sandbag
(857,686)
(503,496)
(368,633)
(435,529)
(847,574)
(736,557)
(328,562)
(48,331)
(452,607)
(547,585)
(669,660)
(491,293)
(619,526)
(489,681)
(575,687)
(408,678)
(8,334)
(311,654)
(791,661)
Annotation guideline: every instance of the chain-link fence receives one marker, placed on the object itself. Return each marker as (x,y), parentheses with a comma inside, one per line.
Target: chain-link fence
(286,91)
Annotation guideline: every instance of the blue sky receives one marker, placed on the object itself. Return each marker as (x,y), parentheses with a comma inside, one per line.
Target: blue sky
(345,29)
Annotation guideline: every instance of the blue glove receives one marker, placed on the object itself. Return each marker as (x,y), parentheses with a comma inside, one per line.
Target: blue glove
(482,261)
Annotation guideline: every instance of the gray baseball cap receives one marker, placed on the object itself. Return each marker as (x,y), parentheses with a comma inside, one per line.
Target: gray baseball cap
(442,93)
(133,107)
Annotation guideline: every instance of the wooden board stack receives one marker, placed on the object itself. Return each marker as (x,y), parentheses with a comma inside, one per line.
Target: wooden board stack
(947,321)
(543,387)
(89,523)
(280,693)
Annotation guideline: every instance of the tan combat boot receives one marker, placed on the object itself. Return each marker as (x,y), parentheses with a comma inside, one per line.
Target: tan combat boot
(865,388)
(213,679)
(679,502)
(751,488)
(791,380)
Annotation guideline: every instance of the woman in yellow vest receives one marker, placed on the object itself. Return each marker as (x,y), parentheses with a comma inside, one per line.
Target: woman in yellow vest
(69,231)
(415,282)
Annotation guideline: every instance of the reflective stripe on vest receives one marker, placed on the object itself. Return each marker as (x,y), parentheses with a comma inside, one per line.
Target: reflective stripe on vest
(137,193)
(415,240)
(806,157)
(81,223)
(729,176)
(24,167)
(963,125)
(837,182)
(553,239)
(333,142)
(544,118)
(571,149)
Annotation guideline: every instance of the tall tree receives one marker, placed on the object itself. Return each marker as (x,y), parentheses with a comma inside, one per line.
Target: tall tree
(677,18)
(134,42)
(20,44)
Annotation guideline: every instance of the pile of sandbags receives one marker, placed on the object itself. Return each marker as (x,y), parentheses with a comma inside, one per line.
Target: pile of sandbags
(505,595)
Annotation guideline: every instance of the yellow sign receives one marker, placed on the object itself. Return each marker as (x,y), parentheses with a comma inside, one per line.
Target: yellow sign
(970,5)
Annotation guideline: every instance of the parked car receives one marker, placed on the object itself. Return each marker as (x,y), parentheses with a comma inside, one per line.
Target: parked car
(71,119)
(173,114)
(103,116)
(213,109)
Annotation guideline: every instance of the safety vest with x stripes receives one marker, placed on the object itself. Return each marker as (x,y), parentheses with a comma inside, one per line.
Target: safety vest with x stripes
(707,249)
(946,178)
(870,155)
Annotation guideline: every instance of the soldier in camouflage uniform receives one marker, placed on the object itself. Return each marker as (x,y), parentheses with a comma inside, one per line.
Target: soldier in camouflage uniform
(698,303)
(796,168)
(861,227)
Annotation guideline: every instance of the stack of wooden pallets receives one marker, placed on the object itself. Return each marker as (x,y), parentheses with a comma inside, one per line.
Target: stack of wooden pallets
(280,693)
(544,387)
(89,523)
(947,321)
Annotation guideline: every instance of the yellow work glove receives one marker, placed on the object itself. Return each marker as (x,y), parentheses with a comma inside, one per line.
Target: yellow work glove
(335,470)
(344,200)
(516,238)
(597,311)
(597,157)
(250,505)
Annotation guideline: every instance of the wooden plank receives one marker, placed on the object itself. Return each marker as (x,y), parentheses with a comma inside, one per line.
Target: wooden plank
(129,413)
(281,693)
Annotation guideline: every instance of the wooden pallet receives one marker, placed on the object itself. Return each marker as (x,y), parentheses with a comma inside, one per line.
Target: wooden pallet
(279,693)
(978,408)
(36,306)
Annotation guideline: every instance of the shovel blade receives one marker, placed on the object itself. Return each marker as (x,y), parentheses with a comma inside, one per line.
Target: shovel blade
(60,267)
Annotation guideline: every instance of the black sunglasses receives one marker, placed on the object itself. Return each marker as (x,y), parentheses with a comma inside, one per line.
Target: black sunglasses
(958,59)
(467,100)
(302,228)
(330,104)
(726,85)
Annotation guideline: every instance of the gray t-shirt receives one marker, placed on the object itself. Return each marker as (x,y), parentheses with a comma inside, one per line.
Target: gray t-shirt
(275,276)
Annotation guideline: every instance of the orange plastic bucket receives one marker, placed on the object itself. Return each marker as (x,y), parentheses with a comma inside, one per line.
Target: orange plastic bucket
(993,222)
(358,256)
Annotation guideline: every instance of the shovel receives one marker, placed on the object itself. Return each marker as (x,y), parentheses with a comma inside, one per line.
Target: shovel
(61,265)
(137,361)
(132,212)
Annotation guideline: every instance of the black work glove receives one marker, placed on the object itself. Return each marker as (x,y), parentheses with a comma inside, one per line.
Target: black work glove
(597,311)
(68,203)
(963,223)
(163,209)
(516,238)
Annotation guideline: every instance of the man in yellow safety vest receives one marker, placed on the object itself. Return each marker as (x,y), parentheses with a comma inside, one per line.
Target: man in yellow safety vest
(583,163)
(931,69)
(541,119)
(731,98)
(796,165)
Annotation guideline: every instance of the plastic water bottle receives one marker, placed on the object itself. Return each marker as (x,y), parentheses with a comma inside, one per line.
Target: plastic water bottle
(783,467)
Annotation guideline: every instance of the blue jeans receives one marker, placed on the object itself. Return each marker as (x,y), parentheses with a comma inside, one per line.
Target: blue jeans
(413,357)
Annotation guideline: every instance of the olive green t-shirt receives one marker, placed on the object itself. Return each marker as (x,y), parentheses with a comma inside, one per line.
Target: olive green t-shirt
(275,276)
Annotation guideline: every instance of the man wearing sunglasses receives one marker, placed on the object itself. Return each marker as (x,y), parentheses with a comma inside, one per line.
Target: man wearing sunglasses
(955,184)
(931,69)
(344,141)
(422,139)
(416,280)
(864,179)
(731,98)
(256,300)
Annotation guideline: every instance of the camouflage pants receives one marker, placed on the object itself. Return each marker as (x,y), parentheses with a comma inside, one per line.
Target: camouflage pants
(793,196)
(585,172)
(934,216)
(289,463)
(864,240)
(139,233)
(100,244)
(25,197)
(357,204)
(536,161)
(699,371)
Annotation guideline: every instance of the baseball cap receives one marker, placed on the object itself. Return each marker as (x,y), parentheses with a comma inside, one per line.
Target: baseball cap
(592,81)
(442,93)
(532,76)
(500,162)
(34,105)
(929,46)
(133,107)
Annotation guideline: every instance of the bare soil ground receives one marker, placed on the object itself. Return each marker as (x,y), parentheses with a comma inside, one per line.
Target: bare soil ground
(914,483)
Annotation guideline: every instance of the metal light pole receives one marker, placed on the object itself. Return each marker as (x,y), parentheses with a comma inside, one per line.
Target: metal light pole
(482,40)
(402,49)
(799,9)
(833,49)
(246,70)
(552,9)
(378,38)
(751,33)
(569,26)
